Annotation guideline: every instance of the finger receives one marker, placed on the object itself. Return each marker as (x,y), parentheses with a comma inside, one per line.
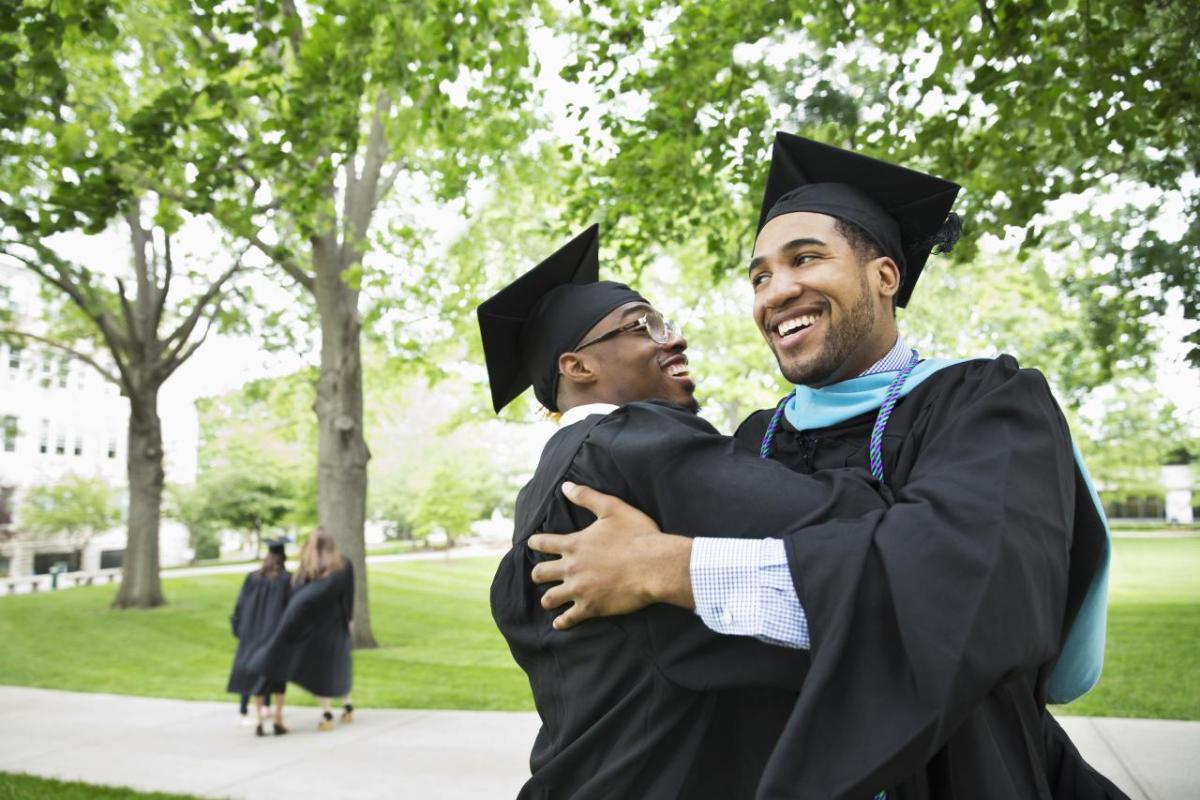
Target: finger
(596,502)
(548,572)
(555,597)
(552,543)
(568,619)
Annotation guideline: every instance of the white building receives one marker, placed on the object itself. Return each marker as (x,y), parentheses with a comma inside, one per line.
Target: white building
(59,416)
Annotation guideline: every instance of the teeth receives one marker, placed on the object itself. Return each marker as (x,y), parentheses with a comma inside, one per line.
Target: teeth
(675,370)
(793,325)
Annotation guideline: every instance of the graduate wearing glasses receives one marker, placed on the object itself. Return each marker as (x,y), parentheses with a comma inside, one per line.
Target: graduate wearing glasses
(651,705)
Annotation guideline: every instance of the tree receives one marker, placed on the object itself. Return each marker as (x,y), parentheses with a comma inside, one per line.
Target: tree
(75,507)
(1024,103)
(325,109)
(189,505)
(84,147)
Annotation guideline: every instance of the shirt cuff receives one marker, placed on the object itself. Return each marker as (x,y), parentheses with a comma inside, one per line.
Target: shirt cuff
(743,587)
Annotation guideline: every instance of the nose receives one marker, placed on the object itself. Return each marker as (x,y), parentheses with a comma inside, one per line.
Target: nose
(781,289)
(676,343)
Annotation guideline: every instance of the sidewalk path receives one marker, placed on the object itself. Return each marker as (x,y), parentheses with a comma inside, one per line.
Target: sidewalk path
(198,748)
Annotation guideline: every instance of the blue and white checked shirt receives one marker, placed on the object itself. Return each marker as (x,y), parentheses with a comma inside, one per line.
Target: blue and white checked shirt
(743,587)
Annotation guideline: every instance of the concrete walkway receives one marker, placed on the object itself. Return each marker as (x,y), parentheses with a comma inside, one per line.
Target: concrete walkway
(198,748)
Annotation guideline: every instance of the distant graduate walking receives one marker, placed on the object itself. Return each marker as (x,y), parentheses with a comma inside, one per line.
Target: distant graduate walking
(259,609)
(312,645)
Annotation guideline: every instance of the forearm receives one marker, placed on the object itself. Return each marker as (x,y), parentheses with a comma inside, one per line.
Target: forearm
(667,570)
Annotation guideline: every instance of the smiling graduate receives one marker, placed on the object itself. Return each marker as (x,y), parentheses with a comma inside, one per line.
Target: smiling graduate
(938,628)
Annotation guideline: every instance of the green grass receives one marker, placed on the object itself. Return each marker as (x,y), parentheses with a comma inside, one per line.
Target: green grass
(440,646)
(18,786)
(441,649)
(1153,654)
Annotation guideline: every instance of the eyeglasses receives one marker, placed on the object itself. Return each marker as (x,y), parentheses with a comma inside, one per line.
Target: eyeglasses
(659,329)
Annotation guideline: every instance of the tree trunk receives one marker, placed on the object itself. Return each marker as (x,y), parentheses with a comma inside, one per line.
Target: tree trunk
(342,452)
(140,583)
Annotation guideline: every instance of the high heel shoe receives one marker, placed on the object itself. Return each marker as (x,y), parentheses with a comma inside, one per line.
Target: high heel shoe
(279,729)
(348,713)
(258,730)
(326,723)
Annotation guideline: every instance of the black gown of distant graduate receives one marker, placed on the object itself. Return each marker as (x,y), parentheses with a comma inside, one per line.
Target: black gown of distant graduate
(312,645)
(653,704)
(260,606)
(935,624)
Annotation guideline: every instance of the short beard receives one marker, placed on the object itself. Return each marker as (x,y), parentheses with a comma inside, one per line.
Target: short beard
(840,343)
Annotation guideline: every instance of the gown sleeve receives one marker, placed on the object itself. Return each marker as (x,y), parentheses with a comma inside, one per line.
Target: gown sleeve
(348,593)
(679,470)
(236,618)
(919,611)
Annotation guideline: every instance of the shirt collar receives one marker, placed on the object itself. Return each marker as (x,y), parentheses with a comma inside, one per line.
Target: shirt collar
(894,361)
(579,413)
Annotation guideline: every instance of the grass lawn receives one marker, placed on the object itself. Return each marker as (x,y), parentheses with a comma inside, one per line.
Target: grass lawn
(440,646)
(1152,662)
(441,649)
(18,786)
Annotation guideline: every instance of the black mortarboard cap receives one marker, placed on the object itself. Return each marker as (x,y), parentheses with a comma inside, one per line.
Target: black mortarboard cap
(902,209)
(544,313)
(277,545)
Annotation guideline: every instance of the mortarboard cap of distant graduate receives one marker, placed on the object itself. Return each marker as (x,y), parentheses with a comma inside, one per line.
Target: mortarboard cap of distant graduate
(278,545)
(906,212)
(544,313)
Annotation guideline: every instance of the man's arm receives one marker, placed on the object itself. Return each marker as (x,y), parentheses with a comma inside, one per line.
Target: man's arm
(619,564)
(622,562)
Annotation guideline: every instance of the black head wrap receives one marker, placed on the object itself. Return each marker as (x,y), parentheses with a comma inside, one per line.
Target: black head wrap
(544,313)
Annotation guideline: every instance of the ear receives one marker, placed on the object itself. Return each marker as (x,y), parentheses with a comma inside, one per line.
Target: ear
(887,275)
(577,369)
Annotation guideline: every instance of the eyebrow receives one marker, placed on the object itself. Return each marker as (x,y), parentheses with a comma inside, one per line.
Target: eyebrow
(637,310)
(794,244)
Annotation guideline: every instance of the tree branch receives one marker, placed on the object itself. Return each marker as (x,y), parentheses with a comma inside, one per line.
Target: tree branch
(127,312)
(168,271)
(181,334)
(988,16)
(81,295)
(294,270)
(109,376)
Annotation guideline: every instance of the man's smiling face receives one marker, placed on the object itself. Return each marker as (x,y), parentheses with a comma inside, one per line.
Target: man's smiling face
(820,308)
(631,366)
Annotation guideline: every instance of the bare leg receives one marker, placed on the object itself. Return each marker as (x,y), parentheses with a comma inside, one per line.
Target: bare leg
(326,723)
(279,709)
(258,713)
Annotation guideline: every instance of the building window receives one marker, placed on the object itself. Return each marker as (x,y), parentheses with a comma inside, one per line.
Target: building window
(14,358)
(47,371)
(9,434)
(44,438)
(78,443)
(64,372)
(60,442)
(112,445)
(6,504)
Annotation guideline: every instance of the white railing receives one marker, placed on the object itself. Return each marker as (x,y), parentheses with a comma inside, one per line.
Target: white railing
(29,584)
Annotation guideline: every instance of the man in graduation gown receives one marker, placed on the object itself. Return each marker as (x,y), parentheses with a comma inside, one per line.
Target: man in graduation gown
(653,704)
(939,627)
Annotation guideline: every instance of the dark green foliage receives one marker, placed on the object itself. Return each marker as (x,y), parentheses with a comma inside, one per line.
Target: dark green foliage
(1021,102)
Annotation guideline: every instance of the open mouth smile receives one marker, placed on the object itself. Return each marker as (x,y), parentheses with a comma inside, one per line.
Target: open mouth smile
(677,368)
(792,330)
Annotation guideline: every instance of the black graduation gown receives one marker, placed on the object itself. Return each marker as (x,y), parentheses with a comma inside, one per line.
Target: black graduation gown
(653,704)
(935,624)
(256,615)
(312,644)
